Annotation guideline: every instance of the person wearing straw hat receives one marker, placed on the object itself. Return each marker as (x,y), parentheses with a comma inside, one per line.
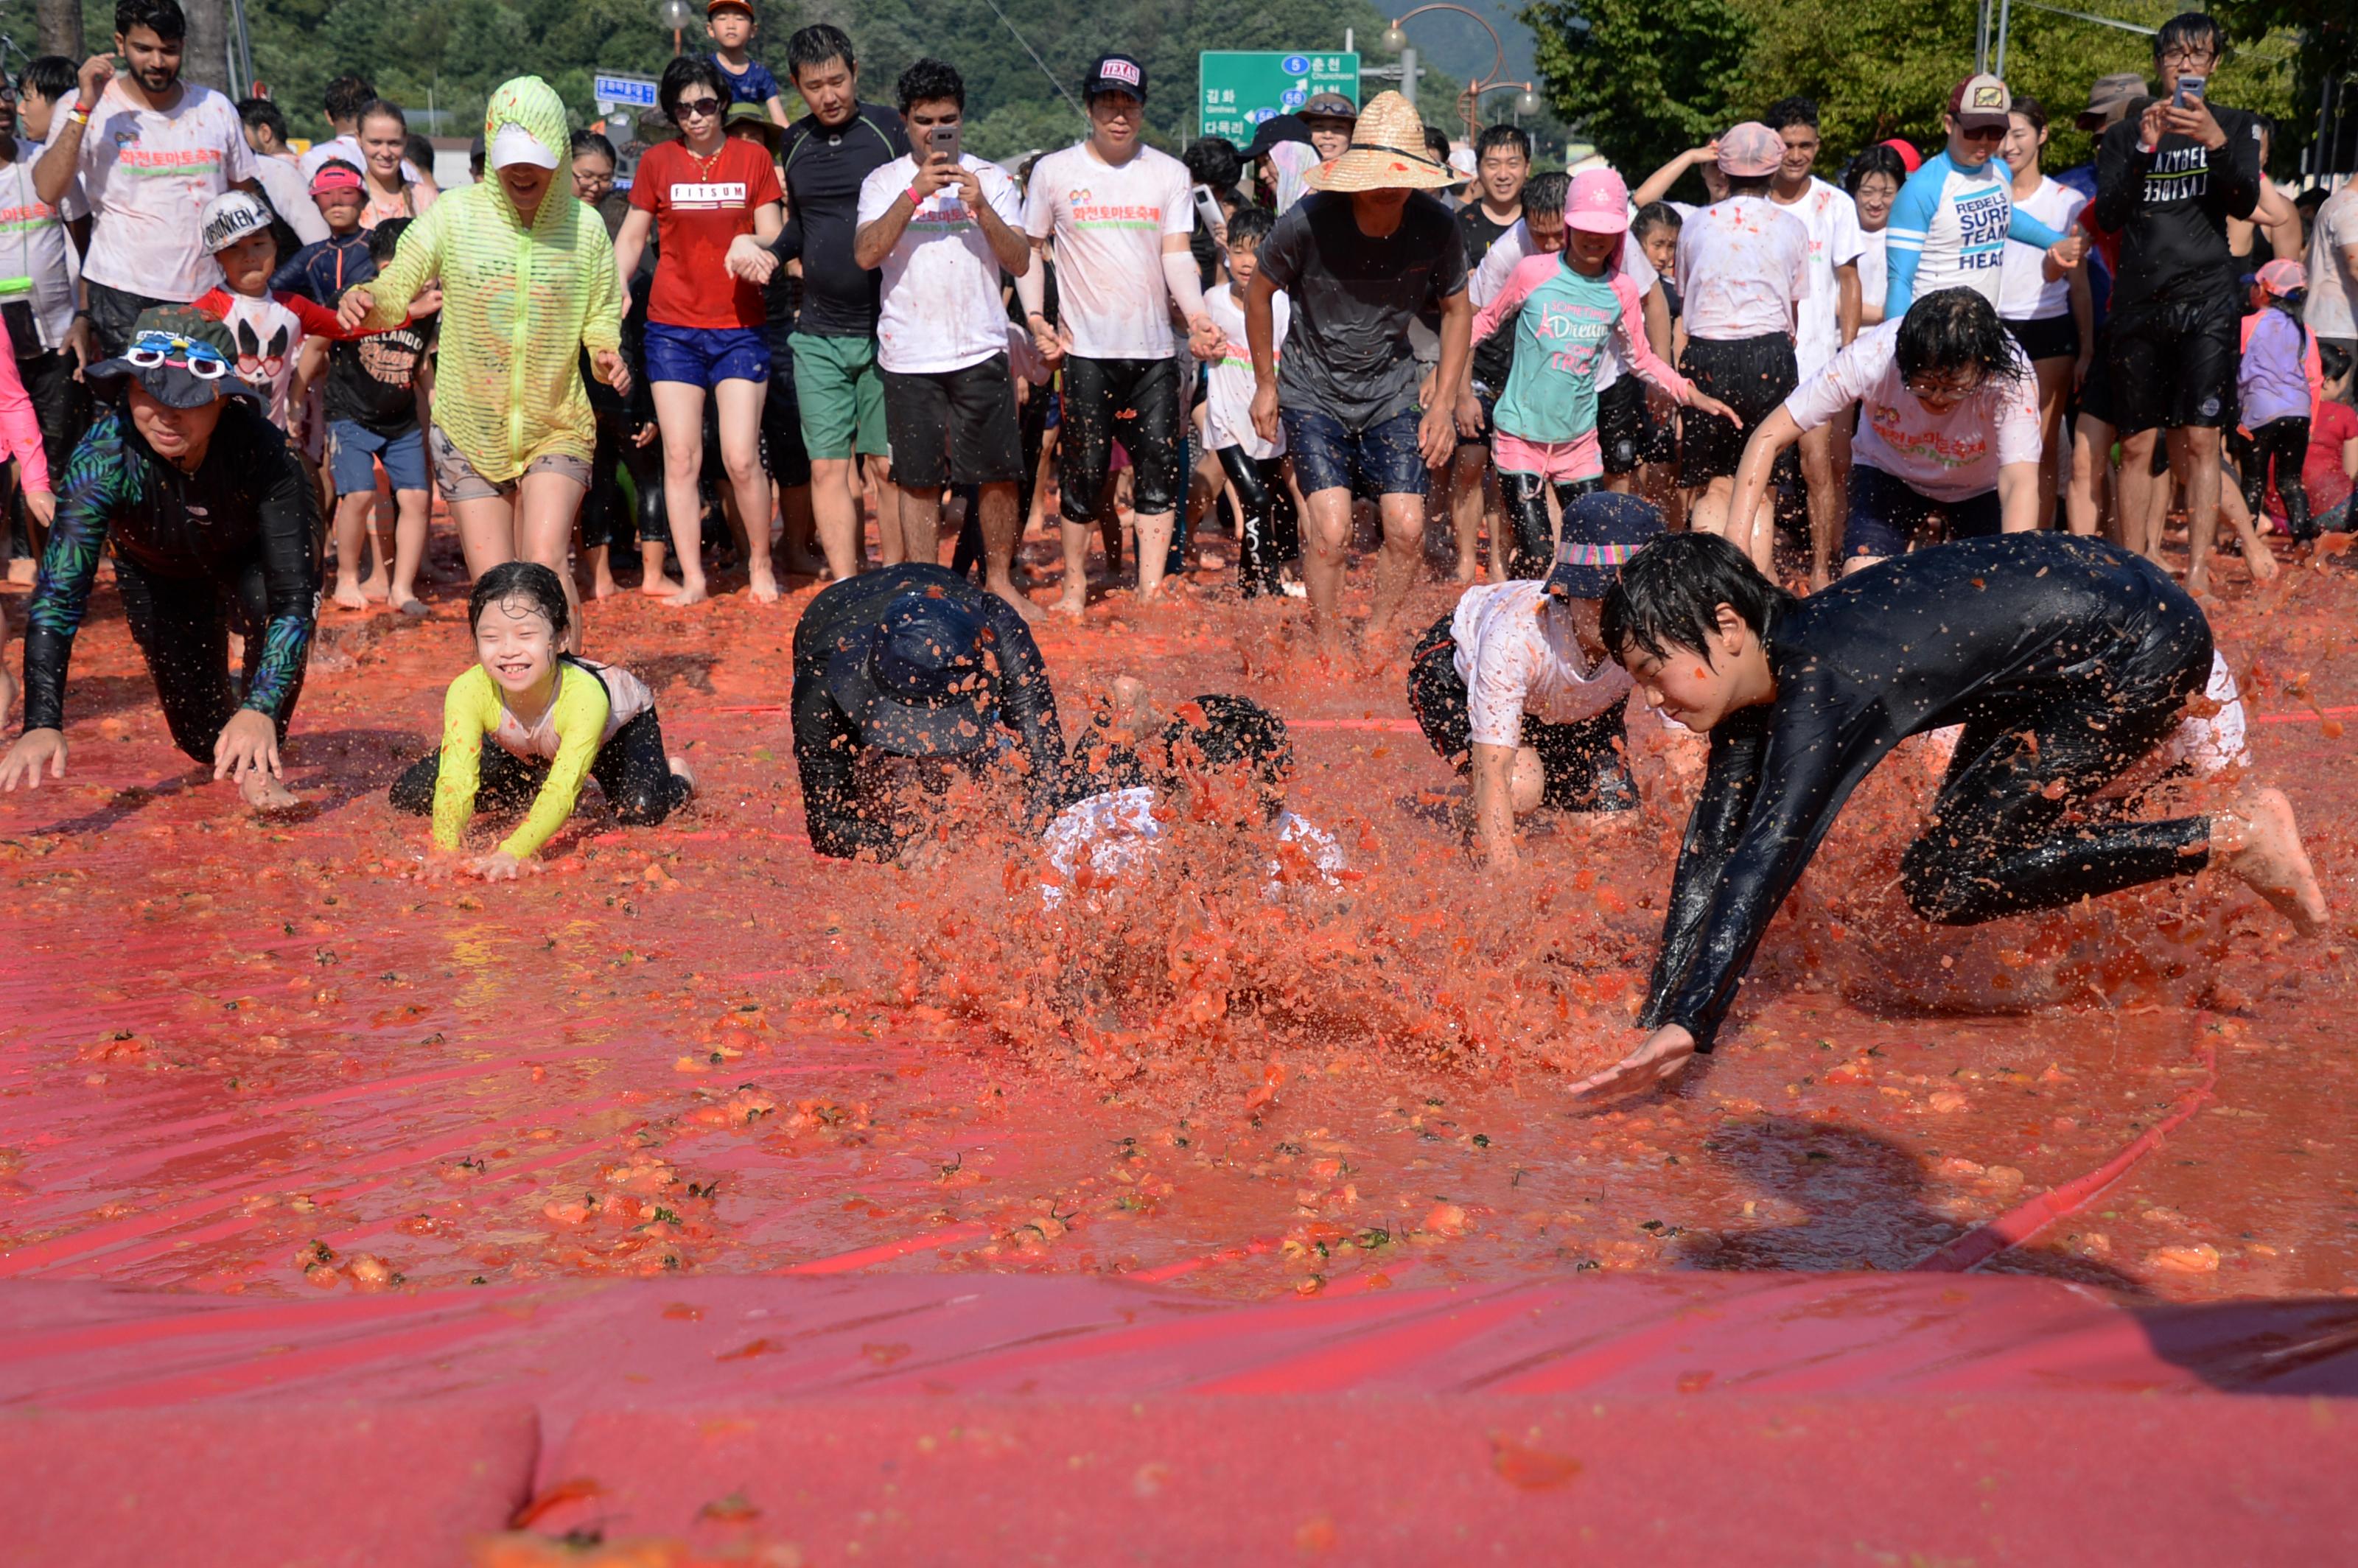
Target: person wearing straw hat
(214,529)
(1358,258)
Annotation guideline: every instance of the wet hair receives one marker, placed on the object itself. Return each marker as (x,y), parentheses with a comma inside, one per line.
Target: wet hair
(1952,327)
(161,17)
(1655,215)
(386,239)
(1668,596)
(530,581)
(259,113)
(2030,108)
(1213,161)
(1791,112)
(385,109)
(685,71)
(817,44)
(1436,142)
(1503,136)
(931,81)
(53,76)
(2190,28)
(1216,730)
(1250,224)
(346,97)
(2334,360)
(1546,193)
(1880,158)
(592,142)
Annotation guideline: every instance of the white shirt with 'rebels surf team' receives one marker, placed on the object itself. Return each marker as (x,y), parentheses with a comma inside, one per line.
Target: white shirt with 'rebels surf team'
(1109,224)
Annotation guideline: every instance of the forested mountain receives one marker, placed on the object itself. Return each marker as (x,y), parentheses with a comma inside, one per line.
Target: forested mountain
(445,54)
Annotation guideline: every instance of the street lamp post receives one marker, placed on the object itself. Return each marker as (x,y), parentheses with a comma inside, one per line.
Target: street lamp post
(1469,101)
(676,15)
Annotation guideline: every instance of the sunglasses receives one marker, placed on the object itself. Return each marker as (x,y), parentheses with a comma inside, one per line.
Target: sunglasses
(1981,133)
(703,108)
(202,360)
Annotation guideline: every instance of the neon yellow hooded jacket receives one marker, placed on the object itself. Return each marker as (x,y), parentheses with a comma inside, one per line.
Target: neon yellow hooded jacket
(507,386)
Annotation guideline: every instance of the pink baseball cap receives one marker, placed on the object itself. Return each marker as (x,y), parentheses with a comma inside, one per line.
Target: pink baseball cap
(1906,151)
(1597,203)
(1750,150)
(2283,276)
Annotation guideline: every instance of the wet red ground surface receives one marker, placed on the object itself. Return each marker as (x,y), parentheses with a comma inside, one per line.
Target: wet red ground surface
(276,1061)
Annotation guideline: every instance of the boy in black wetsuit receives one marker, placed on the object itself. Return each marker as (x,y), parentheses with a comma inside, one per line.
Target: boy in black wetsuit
(214,528)
(904,679)
(2065,659)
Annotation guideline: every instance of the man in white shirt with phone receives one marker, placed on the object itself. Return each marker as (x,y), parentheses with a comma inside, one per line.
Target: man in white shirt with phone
(941,226)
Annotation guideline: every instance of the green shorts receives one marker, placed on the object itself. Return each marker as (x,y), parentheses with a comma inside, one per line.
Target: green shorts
(841,396)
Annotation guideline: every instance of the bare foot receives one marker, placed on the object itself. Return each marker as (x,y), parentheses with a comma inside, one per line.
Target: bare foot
(679,770)
(2261,560)
(659,587)
(603,586)
(374,586)
(2198,582)
(350,596)
(762,584)
(1469,570)
(800,563)
(1073,605)
(265,794)
(696,593)
(1021,601)
(2270,859)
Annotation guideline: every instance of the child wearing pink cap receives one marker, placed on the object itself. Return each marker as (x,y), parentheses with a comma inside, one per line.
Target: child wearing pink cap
(1564,308)
(2276,389)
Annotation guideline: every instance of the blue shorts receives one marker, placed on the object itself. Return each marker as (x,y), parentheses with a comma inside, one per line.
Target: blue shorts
(1382,460)
(1889,516)
(355,450)
(706,356)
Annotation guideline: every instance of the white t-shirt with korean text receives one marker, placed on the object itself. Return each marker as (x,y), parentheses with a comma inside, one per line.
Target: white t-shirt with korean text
(1108,225)
(148,174)
(941,308)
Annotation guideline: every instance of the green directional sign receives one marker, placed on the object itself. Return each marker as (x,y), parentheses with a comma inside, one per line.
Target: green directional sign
(1242,88)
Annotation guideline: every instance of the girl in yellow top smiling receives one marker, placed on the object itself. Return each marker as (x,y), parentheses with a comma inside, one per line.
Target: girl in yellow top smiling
(551,717)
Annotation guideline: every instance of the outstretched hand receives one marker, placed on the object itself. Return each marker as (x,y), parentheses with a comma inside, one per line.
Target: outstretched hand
(1704,403)
(1661,1058)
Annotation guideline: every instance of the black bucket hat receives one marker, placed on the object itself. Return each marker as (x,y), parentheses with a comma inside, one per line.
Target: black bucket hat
(1601,531)
(184,358)
(916,684)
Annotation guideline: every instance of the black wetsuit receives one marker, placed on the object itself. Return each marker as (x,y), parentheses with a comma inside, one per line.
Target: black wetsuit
(2065,659)
(233,546)
(826,740)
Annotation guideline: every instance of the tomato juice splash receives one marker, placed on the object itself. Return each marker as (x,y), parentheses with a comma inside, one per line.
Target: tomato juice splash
(277,1059)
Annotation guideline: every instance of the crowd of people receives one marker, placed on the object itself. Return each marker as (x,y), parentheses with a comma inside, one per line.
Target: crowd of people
(1670,418)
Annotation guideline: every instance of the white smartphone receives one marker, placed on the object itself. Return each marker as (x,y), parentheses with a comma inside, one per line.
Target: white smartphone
(1207,209)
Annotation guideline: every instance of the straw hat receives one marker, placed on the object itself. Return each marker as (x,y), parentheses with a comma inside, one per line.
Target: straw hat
(1387,153)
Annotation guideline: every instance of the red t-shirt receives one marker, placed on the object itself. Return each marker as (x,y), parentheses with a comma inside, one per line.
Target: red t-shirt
(700,205)
(2330,424)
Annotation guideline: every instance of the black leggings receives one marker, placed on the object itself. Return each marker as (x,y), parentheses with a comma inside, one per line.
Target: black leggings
(1271,528)
(605,516)
(183,626)
(631,769)
(2281,445)
(1998,843)
(1525,495)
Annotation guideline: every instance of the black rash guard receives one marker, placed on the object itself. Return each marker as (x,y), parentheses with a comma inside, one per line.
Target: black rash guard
(824,167)
(826,740)
(243,528)
(2170,207)
(2066,660)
